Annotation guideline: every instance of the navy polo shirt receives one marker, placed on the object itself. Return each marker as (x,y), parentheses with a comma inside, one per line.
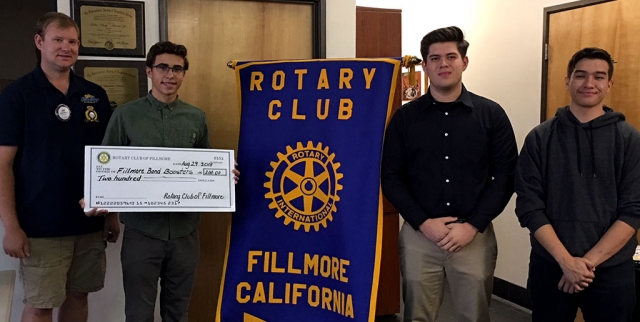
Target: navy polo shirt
(50,130)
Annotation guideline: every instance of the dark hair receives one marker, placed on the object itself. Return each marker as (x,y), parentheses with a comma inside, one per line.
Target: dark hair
(448,34)
(590,53)
(62,20)
(167,47)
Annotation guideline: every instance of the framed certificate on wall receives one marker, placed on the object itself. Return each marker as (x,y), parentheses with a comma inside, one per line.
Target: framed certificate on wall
(110,28)
(124,81)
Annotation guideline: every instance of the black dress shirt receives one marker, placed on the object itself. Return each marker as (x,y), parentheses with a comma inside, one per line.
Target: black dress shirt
(449,159)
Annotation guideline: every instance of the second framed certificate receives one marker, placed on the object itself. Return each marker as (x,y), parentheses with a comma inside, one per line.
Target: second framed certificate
(124,81)
(110,28)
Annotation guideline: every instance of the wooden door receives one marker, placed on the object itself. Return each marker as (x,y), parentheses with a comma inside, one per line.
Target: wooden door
(378,34)
(215,32)
(613,26)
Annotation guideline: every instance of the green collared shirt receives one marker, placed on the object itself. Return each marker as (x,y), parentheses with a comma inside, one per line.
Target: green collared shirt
(151,123)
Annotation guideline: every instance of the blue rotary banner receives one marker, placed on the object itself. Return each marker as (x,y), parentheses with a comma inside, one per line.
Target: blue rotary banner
(306,236)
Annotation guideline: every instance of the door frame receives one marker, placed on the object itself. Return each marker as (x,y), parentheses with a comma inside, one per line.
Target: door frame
(319,21)
(545,44)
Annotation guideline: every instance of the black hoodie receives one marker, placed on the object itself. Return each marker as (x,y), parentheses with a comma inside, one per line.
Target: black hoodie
(580,178)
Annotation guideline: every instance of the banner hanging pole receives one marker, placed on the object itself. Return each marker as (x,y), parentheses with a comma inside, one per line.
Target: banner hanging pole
(410,62)
(407,62)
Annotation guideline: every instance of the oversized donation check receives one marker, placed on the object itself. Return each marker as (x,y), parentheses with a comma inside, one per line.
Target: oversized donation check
(142,179)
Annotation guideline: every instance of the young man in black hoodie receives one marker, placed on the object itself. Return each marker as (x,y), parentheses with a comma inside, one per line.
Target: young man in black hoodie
(578,187)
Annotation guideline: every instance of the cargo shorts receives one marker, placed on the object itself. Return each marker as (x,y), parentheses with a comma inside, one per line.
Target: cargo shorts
(57,264)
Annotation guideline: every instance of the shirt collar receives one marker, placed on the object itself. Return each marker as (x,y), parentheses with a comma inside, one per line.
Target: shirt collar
(42,80)
(160,105)
(464,98)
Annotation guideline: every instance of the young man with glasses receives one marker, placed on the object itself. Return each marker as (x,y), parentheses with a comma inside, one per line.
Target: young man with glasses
(164,245)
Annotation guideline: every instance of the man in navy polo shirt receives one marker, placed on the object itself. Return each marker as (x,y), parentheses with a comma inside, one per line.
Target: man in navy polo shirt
(48,116)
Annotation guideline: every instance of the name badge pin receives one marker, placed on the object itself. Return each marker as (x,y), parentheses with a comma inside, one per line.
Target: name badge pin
(63,112)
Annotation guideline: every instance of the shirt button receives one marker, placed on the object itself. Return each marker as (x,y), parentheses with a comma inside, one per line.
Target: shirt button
(448,204)
(446,134)
(446,158)
(446,113)
(447,180)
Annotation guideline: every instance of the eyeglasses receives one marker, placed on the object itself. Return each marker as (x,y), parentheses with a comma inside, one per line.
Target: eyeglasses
(164,69)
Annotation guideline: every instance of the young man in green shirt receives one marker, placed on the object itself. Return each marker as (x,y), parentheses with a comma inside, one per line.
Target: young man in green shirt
(161,246)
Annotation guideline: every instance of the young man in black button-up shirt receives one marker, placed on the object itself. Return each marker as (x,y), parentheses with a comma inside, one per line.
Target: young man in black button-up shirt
(448,167)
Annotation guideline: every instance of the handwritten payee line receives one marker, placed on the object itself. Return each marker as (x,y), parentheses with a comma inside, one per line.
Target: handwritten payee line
(170,179)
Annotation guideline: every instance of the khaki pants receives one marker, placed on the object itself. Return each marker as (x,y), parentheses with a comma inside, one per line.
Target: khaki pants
(469,274)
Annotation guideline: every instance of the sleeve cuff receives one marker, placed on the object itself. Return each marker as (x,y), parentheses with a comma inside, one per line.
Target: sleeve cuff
(536,221)
(480,224)
(632,220)
(414,221)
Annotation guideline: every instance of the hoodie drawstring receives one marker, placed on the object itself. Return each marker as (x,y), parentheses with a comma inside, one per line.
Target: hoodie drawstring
(577,140)
(593,154)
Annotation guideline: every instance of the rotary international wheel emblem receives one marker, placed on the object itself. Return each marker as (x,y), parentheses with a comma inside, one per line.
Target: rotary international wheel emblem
(104,157)
(303,186)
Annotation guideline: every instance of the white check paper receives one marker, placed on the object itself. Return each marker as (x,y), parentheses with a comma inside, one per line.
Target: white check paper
(142,179)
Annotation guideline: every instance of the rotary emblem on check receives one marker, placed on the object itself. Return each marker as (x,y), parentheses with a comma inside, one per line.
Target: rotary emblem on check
(303,186)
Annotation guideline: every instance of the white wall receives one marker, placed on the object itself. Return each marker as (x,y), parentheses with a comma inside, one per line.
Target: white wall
(505,39)
(108,304)
(341,28)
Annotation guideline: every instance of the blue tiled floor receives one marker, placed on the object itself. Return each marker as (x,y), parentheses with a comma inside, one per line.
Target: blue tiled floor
(500,311)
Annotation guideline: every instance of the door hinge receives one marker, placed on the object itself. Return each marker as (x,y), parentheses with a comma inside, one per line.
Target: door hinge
(546,52)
